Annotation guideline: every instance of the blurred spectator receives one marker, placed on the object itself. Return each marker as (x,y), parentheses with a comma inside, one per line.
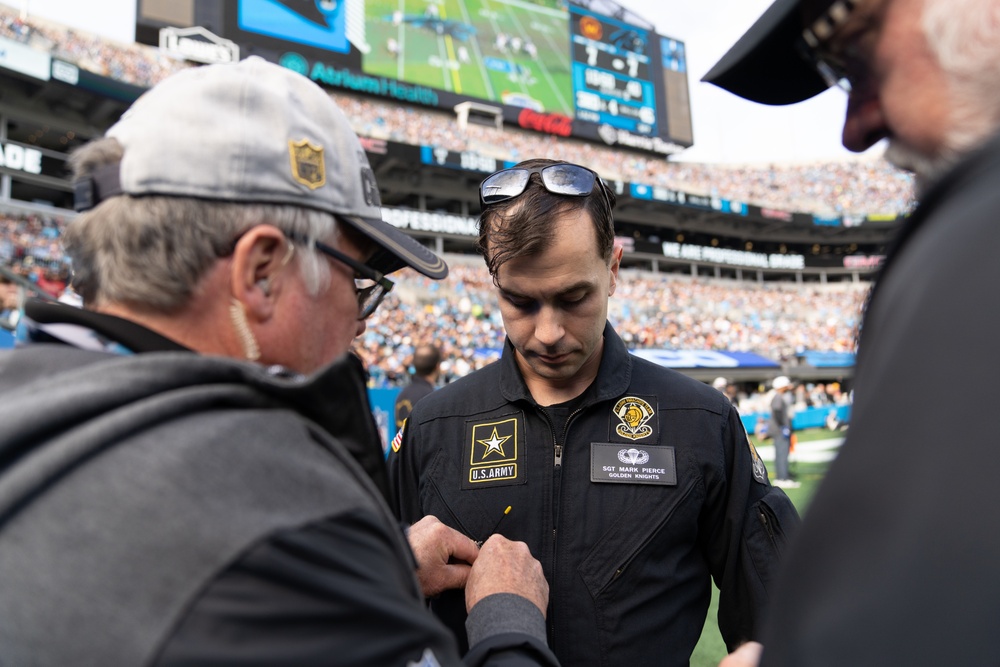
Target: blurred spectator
(779,428)
(426,368)
(9,303)
(29,246)
(728,389)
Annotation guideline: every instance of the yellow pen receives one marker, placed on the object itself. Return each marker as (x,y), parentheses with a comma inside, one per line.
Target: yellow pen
(479,543)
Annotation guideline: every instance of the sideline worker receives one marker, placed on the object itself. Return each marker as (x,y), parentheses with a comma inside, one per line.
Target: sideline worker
(426,368)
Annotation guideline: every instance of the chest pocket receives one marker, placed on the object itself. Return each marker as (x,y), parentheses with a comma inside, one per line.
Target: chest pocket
(463,513)
(639,526)
(475,512)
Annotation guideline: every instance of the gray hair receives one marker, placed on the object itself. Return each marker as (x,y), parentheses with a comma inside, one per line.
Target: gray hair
(964,36)
(151,252)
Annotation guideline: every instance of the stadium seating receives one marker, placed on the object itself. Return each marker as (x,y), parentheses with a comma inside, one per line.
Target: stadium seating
(829,188)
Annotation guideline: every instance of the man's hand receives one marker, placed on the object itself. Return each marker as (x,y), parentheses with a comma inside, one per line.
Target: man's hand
(747,655)
(506,567)
(444,555)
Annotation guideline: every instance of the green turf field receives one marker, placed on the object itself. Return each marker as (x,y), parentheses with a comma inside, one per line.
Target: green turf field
(711,649)
(452,45)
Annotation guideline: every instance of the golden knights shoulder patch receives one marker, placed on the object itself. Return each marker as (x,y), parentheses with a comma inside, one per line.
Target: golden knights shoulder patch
(758,469)
(635,420)
(494,452)
(308,165)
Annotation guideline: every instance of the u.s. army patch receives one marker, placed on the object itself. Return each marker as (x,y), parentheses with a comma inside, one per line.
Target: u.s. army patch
(636,421)
(494,453)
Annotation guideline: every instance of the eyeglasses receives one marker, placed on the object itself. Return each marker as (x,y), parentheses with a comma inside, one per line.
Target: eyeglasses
(846,69)
(565,179)
(847,66)
(369,295)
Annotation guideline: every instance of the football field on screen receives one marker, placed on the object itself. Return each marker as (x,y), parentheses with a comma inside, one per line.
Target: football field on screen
(453,45)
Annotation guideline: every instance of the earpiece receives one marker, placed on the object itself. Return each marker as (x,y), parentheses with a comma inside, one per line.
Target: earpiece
(265,286)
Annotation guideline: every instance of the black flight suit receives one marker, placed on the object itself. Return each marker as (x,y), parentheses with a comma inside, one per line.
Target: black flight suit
(632,496)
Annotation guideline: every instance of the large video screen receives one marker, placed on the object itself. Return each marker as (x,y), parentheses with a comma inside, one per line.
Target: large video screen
(549,65)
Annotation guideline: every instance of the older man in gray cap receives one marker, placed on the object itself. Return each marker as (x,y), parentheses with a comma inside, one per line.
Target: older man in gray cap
(892,567)
(189,470)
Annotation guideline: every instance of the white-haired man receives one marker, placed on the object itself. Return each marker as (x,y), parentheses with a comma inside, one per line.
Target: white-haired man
(896,564)
(164,500)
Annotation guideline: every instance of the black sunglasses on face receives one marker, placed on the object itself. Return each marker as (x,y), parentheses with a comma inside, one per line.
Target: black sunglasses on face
(369,296)
(565,179)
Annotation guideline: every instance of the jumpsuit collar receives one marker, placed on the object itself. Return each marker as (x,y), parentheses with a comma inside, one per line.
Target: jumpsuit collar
(613,375)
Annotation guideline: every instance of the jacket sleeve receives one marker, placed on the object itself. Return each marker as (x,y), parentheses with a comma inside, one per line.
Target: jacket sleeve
(404,474)
(332,593)
(748,525)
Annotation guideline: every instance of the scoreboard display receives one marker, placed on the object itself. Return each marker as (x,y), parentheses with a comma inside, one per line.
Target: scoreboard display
(546,65)
(612,73)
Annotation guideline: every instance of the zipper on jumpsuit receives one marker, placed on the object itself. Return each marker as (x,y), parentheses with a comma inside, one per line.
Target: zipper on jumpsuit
(557,454)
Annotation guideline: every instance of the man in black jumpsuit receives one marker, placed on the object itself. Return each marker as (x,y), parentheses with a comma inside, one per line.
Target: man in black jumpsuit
(632,484)
(897,561)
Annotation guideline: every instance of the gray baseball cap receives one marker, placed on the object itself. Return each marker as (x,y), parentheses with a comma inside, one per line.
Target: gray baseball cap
(253,132)
(767,64)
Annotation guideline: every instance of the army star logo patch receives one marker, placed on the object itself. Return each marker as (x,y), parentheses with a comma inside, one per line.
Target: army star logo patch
(494,455)
(495,443)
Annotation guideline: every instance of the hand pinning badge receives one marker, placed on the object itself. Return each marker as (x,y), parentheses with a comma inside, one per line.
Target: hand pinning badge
(479,543)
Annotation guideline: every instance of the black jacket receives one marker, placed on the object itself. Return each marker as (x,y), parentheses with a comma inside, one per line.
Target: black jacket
(897,561)
(408,397)
(175,509)
(681,497)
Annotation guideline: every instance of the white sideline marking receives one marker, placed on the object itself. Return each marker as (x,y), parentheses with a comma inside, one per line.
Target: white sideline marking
(817,451)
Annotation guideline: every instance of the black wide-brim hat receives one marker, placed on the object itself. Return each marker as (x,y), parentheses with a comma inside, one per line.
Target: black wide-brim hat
(766,64)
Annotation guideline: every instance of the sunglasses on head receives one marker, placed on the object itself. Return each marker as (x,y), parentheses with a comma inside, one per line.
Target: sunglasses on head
(565,179)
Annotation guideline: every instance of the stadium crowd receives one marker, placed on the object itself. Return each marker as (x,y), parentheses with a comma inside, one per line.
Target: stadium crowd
(651,310)
(30,247)
(779,321)
(834,188)
(830,188)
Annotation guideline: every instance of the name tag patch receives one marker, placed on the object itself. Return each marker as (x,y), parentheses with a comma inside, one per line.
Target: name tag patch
(640,464)
(494,453)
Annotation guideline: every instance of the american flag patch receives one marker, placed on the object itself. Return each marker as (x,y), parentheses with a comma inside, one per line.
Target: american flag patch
(398,440)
